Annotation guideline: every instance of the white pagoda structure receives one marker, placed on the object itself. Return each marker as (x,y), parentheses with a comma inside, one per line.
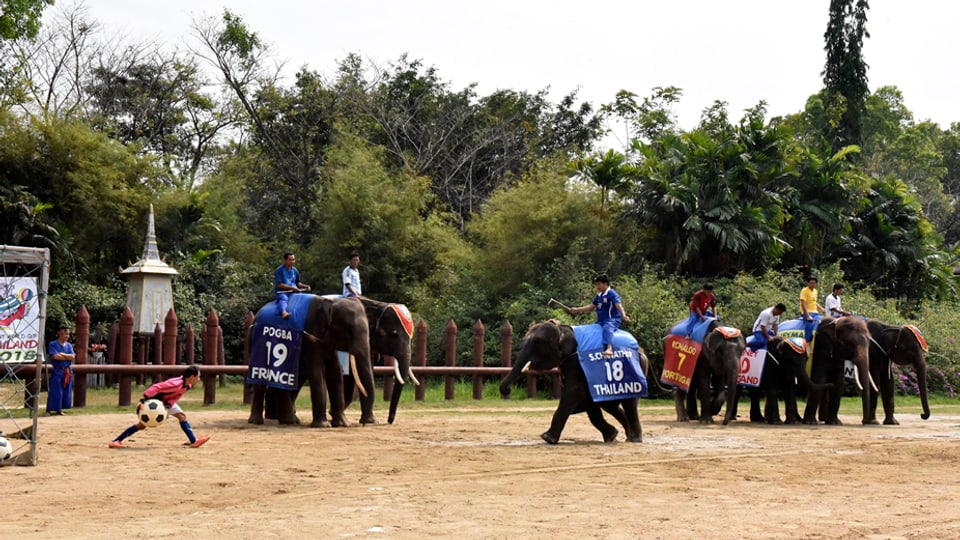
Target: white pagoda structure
(150,289)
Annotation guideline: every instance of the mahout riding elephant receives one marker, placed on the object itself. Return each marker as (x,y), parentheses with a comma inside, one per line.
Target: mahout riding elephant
(900,345)
(784,373)
(718,366)
(838,340)
(330,325)
(550,345)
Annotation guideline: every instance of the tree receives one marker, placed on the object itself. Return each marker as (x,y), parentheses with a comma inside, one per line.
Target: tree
(21,18)
(845,72)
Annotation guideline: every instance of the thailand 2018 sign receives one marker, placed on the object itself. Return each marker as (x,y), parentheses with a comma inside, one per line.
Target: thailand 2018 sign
(274,356)
(19,320)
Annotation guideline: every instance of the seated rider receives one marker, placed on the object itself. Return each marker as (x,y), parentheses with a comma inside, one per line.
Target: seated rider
(766,326)
(832,303)
(286,280)
(609,309)
(808,300)
(702,301)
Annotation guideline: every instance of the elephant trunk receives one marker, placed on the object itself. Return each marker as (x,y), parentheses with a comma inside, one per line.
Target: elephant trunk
(506,385)
(921,369)
(401,365)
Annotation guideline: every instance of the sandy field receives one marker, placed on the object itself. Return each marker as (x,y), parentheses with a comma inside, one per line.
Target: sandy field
(484,473)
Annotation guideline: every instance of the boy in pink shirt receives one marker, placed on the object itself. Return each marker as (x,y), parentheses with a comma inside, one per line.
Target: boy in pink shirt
(169,392)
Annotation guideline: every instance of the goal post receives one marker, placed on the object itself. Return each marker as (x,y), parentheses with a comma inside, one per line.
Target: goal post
(24,279)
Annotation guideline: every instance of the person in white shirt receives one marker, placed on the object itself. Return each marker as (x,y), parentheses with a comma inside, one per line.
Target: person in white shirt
(766,325)
(351,277)
(832,304)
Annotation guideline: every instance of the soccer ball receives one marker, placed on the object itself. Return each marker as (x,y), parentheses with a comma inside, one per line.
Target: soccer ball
(151,412)
(6,449)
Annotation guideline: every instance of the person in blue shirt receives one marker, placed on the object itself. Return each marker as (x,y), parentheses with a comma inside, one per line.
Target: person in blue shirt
(60,388)
(286,280)
(610,312)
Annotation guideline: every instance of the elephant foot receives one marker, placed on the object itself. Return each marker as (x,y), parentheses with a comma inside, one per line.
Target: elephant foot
(339,421)
(810,421)
(550,438)
(833,422)
(368,420)
(611,436)
(320,424)
(706,419)
(290,421)
(635,438)
(758,418)
(890,421)
(870,422)
(793,421)
(256,420)
(774,421)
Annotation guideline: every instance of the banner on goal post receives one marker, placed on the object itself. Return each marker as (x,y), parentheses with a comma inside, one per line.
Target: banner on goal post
(19,320)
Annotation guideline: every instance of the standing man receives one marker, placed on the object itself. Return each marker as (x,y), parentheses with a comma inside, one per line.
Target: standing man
(286,279)
(808,300)
(609,309)
(766,326)
(832,303)
(702,301)
(60,387)
(351,277)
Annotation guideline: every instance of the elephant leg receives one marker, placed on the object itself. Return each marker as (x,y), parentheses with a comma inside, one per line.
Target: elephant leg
(736,401)
(334,389)
(282,405)
(568,402)
(596,418)
(790,410)
(832,400)
(633,427)
(756,395)
(771,410)
(706,403)
(256,405)
(886,396)
(680,401)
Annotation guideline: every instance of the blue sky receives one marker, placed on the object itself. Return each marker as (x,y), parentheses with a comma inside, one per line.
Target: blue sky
(739,51)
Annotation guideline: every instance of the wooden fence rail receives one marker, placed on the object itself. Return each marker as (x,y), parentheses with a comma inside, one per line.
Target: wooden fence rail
(163,353)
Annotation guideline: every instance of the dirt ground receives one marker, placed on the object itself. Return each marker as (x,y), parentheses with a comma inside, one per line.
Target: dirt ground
(483,473)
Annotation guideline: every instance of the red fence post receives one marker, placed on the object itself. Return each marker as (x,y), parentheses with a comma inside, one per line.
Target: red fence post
(506,346)
(247,325)
(191,346)
(170,338)
(210,358)
(156,355)
(82,346)
(125,355)
(421,357)
(450,358)
(221,356)
(113,352)
(479,333)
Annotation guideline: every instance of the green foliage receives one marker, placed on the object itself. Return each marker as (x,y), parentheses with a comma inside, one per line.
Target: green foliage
(70,292)
(845,72)
(21,18)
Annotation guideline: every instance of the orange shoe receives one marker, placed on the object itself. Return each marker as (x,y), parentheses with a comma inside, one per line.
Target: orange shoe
(117,444)
(199,442)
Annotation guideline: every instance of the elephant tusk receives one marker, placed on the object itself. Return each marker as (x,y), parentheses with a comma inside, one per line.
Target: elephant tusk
(412,377)
(856,377)
(396,371)
(356,376)
(526,368)
(873,384)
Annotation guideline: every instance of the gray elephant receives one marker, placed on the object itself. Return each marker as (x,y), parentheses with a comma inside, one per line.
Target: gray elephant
(839,340)
(899,345)
(330,325)
(551,345)
(784,373)
(714,379)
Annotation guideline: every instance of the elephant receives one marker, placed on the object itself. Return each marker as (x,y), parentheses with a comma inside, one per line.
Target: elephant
(719,363)
(838,340)
(550,345)
(331,324)
(391,328)
(784,368)
(895,345)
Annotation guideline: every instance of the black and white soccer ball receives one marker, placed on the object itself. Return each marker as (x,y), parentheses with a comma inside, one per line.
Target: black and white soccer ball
(6,449)
(151,412)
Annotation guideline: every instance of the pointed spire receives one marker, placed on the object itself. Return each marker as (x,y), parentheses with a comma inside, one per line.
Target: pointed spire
(150,262)
(150,251)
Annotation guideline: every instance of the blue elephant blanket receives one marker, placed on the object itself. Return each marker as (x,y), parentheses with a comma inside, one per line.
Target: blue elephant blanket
(609,378)
(699,330)
(275,344)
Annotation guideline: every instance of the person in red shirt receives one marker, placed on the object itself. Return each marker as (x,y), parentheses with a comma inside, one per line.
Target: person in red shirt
(169,392)
(702,301)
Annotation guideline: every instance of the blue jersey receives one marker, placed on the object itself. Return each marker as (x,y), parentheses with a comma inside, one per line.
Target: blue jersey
(286,276)
(606,304)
